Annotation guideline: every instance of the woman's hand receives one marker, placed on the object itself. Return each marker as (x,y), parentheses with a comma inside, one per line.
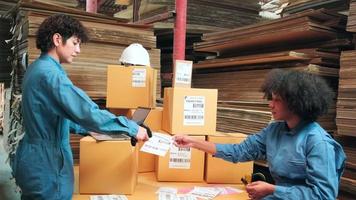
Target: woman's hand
(183,141)
(259,189)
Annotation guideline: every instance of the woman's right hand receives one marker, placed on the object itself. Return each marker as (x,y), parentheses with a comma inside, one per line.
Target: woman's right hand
(183,141)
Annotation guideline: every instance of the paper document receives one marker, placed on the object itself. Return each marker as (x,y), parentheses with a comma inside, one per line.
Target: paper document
(179,158)
(167,190)
(205,192)
(194,111)
(158,144)
(139,78)
(108,197)
(170,196)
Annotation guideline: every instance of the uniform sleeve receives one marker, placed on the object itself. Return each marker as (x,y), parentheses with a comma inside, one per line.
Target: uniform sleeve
(253,148)
(76,128)
(322,177)
(73,104)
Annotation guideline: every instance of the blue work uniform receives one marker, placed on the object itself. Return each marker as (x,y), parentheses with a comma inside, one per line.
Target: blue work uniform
(305,162)
(51,104)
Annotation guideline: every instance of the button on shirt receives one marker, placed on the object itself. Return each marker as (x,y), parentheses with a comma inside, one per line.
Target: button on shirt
(51,104)
(305,162)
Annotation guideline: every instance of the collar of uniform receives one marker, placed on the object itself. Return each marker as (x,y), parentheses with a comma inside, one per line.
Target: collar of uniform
(296,129)
(48,57)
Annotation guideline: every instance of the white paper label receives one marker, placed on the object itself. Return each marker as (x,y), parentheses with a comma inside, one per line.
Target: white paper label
(204,192)
(158,144)
(194,108)
(179,158)
(183,72)
(108,197)
(139,78)
(170,196)
(170,190)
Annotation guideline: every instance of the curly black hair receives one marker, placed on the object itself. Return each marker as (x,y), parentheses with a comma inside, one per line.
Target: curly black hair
(307,95)
(63,24)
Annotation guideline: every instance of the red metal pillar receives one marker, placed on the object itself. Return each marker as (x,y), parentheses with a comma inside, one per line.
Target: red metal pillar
(180,30)
(92,6)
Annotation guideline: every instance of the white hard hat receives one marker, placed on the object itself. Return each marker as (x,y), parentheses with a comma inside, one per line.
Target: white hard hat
(135,54)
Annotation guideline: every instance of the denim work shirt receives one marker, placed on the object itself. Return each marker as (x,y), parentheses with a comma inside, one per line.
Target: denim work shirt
(51,104)
(305,162)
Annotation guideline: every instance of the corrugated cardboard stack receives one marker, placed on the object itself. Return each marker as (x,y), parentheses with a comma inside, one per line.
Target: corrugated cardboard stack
(2,106)
(295,6)
(245,55)
(201,14)
(345,112)
(5,51)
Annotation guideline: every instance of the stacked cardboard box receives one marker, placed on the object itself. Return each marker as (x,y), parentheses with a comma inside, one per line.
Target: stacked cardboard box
(131,87)
(232,172)
(193,112)
(108,167)
(127,88)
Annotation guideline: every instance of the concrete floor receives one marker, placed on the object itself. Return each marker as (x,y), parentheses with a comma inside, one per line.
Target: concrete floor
(7,185)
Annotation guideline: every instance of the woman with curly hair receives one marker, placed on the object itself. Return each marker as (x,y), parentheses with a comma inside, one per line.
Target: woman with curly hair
(51,105)
(304,161)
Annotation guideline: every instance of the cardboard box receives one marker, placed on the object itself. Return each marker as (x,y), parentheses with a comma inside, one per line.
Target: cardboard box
(189,111)
(146,161)
(218,170)
(181,168)
(182,76)
(108,167)
(131,87)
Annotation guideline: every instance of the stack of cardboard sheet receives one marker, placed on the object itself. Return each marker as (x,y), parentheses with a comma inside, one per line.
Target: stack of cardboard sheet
(295,6)
(201,14)
(2,106)
(108,38)
(74,144)
(242,116)
(351,21)
(309,41)
(302,28)
(348,180)
(6,5)
(346,101)
(67,3)
(5,51)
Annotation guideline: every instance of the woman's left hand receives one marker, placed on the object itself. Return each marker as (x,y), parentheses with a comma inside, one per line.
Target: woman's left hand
(259,189)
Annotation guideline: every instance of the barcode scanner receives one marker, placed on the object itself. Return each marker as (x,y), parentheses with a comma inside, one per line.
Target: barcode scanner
(139,117)
(149,133)
(258,177)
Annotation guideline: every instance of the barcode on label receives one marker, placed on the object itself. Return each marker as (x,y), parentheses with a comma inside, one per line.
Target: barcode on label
(183,79)
(198,105)
(138,81)
(183,149)
(193,117)
(179,160)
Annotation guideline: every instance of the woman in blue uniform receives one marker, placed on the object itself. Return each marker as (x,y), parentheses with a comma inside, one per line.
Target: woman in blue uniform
(304,161)
(43,165)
